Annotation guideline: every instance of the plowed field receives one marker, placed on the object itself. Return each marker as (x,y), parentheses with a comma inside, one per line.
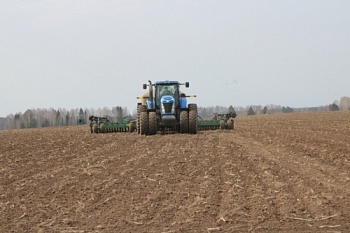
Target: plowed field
(274,173)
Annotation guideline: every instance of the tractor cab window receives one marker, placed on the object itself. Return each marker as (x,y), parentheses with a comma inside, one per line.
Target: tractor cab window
(167,90)
(163,90)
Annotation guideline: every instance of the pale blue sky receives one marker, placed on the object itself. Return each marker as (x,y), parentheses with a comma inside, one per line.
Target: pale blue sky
(90,54)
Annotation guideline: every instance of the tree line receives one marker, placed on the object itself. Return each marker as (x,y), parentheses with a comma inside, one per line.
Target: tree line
(39,118)
(338,105)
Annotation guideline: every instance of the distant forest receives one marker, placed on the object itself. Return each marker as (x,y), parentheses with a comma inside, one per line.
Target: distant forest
(39,118)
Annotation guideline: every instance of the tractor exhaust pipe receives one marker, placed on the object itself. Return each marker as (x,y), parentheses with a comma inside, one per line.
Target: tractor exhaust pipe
(151,93)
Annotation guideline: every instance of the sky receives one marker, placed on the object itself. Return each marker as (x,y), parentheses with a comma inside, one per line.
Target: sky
(98,53)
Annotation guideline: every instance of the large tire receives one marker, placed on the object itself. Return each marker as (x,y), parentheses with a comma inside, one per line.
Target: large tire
(102,128)
(143,108)
(152,123)
(95,128)
(138,118)
(140,108)
(183,121)
(192,119)
(144,130)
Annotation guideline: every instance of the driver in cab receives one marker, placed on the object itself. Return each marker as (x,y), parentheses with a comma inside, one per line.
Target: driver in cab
(166,91)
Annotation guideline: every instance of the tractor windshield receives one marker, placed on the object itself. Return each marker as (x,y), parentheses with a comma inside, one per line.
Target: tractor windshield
(162,90)
(166,90)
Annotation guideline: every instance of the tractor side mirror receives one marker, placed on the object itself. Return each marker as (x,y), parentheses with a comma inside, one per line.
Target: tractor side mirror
(187,84)
(144,86)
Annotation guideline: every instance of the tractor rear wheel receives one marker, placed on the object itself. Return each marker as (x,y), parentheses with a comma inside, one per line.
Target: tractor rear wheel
(192,119)
(144,130)
(183,121)
(152,121)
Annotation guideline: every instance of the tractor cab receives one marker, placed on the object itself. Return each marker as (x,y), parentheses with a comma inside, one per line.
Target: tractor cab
(166,109)
(166,98)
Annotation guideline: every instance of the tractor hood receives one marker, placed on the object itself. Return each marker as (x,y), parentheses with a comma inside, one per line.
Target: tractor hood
(167,104)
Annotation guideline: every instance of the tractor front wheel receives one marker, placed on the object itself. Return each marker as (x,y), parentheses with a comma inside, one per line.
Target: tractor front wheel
(152,121)
(192,119)
(183,121)
(144,130)
(140,108)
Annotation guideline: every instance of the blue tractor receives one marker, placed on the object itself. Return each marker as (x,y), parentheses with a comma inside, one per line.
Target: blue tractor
(164,108)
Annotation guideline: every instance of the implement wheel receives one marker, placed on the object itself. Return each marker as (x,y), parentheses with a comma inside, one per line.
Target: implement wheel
(102,128)
(222,124)
(131,127)
(183,121)
(95,128)
(230,123)
(152,121)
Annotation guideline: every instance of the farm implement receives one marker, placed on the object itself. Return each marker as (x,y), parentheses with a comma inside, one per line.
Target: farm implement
(104,125)
(217,121)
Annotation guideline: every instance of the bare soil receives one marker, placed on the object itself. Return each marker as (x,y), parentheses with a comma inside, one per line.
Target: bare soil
(273,173)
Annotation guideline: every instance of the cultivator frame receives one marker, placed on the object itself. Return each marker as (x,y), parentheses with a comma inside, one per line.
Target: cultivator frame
(104,125)
(217,121)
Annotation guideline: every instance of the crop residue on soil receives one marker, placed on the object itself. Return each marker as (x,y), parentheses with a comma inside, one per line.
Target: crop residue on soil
(273,173)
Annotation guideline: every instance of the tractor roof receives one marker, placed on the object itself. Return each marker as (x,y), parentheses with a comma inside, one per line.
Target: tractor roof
(166,82)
